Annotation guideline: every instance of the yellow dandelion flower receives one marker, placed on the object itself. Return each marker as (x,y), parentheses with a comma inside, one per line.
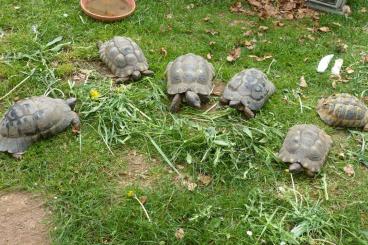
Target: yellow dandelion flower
(131,194)
(94,94)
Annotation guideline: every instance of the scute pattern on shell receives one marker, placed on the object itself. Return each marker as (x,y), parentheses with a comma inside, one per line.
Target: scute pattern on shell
(190,72)
(28,120)
(123,56)
(251,87)
(306,144)
(343,110)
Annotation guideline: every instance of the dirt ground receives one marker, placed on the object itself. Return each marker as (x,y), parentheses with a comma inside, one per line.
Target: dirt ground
(22,220)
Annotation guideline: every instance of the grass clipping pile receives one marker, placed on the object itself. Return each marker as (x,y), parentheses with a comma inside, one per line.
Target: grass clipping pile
(283,9)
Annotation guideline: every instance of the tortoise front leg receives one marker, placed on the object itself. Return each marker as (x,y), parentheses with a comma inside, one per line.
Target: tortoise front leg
(176,102)
(136,75)
(75,123)
(204,99)
(365,127)
(18,155)
(121,80)
(224,101)
(148,73)
(248,112)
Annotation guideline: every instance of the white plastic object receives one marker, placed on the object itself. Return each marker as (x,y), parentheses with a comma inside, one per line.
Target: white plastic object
(323,64)
(337,67)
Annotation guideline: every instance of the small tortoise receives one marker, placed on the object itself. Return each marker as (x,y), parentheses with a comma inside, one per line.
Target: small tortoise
(124,58)
(31,119)
(305,147)
(189,78)
(248,91)
(343,110)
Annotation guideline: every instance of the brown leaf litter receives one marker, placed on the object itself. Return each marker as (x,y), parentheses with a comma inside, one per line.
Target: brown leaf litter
(286,9)
(22,220)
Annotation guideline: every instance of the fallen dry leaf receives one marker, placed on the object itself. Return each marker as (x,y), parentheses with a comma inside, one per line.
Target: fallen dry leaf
(303,83)
(279,24)
(363,10)
(365,58)
(212,43)
(248,33)
(342,47)
(179,234)
(206,19)
(218,88)
(163,52)
(205,179)
(248,44)
(169,16)
(191,185)
(280,9)
(334,84)
(143,199)
(346,10)
(234,55)
(324,29)
(190,6)
(349,170)
(260,58)
(209,56)
(349,70)
(237,8)
(263,28)
(337,24)
(212,32)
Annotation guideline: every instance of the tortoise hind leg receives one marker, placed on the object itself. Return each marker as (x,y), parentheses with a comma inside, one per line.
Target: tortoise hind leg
(365,128)
(176,102)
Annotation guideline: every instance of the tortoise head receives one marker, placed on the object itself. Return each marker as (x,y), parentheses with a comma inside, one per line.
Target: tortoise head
(295,168)
(71,102)
(193,99)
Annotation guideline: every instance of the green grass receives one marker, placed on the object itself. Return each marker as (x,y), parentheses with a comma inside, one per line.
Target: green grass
(250,190)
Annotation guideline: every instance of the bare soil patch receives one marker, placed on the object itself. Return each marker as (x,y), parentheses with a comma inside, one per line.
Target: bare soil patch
(22,220)
(138,170)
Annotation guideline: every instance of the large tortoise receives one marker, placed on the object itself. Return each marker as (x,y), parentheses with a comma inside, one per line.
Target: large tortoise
(343,110)
(31,119)
(189,79)
(305,147)
(248,91)
(124,58)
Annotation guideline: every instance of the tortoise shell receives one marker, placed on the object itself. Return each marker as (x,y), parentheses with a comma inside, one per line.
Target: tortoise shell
(343,110)
(30,119)
(190,72)
(123,56)
(251,87)
(307,145)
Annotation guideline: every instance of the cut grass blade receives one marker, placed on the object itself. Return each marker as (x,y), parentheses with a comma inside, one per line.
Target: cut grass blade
(164,156)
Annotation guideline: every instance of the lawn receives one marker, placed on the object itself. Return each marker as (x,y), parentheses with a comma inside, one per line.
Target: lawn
(250,199)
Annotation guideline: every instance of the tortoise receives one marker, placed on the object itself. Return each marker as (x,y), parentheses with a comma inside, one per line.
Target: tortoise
(248,91)
(189,79)
(343,110)
(33,118)
(124,58)
(305,147)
